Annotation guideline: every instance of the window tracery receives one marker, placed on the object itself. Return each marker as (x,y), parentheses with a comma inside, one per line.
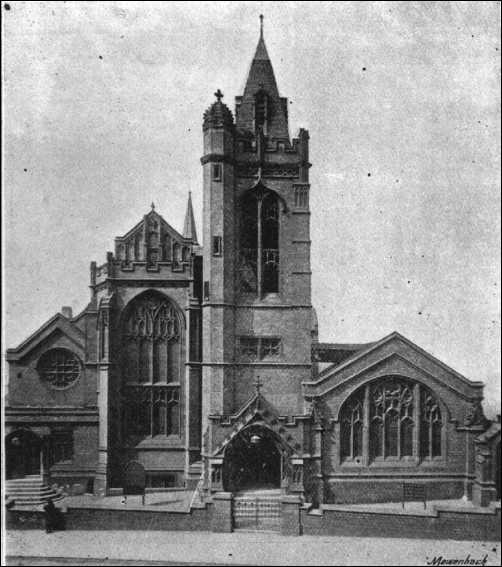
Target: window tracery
(59,367)
(259,247)
(430,432)
(152,342)
(400,419)
(352,428)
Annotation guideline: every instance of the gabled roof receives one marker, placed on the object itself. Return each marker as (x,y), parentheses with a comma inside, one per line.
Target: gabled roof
(256,411)
(395,335)
(57,323)
(336,352)
(152,214)
(331,377)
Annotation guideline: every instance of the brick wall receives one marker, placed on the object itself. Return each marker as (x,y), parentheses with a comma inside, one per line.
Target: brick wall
(372,491)
(446,525)
(101,519)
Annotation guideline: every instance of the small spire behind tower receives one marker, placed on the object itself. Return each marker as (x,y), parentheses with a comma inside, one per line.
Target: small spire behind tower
(189,230)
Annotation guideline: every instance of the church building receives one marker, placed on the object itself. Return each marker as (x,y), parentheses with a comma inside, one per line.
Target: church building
(201,364)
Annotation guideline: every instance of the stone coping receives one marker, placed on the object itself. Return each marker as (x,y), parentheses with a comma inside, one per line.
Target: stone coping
(395,509)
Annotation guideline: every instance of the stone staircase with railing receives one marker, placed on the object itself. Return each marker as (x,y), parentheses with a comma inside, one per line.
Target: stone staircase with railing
(30,491)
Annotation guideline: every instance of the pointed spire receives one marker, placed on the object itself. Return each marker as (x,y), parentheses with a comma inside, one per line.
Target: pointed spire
(261,78)
(261,53)
(189,230)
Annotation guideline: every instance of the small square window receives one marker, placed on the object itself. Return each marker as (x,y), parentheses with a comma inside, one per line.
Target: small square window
(217,246)
(248,347)
(270,347)
(302,197)
(216,171)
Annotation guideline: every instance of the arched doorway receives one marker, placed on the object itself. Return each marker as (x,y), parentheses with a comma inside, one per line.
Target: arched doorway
(252,461)
(22,453)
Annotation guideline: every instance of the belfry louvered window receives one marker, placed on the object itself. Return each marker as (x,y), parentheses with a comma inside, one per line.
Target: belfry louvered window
(261,111)
(151,368)
(393,418)
(259,243)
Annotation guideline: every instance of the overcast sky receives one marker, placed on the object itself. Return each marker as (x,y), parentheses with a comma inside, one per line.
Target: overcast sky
(103,104)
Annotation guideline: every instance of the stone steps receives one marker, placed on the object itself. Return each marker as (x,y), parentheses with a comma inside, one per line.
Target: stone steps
(31,491)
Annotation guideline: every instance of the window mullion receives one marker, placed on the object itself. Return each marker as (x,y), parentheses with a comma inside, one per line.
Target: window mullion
(399,426)
(366,425)
(384,434)
(417,420)
(151,409)
(259,267)
(431,422)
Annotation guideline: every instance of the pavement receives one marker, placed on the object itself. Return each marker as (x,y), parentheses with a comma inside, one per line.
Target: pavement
(35,547)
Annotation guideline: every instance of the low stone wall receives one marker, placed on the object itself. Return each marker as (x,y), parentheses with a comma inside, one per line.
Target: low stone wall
(374,491)
(111,519)
(478,525)
(462,525)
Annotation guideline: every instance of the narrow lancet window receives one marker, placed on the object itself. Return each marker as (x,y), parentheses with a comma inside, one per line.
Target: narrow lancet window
(259,261)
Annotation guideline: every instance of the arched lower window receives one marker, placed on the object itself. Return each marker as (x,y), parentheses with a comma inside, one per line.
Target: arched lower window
(352,429)
(430,427)
(152,341)
(259,242)
(386,412)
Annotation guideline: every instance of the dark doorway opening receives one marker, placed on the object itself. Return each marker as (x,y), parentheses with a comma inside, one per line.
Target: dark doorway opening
(252,461)
(134,478)
(22,454)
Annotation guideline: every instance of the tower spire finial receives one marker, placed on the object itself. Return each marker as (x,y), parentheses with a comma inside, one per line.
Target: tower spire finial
(261,26)
(189,230)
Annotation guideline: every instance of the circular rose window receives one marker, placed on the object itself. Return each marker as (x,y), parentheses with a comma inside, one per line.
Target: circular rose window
(59,367)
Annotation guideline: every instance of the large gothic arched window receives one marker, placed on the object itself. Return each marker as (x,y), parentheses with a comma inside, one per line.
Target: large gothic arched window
(393,418)
(259,243)
(152,340)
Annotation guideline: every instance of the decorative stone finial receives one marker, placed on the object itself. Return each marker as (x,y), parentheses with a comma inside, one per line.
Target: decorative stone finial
(261,25)
(219,95)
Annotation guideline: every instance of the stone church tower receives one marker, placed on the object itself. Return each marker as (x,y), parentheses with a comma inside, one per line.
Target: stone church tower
(257,312)
(202,367)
